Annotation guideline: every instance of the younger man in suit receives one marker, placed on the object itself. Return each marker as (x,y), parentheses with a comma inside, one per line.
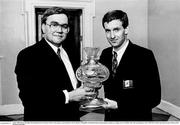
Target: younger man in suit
(45,73)
(133,88)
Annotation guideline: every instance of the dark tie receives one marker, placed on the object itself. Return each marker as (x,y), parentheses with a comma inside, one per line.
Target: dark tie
(114,63)
(58,53)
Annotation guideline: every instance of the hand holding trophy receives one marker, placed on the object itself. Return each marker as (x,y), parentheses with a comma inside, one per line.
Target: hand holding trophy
(92,73)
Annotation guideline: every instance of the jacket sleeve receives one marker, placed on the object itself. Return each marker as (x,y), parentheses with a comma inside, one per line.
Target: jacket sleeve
(154,81)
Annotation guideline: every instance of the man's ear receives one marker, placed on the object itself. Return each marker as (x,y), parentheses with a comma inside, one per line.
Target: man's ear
(68,30)
(126,30)
(43,28)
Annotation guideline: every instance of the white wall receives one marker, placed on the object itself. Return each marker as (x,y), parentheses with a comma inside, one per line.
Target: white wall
(164,40)
(11,41)
(0,55)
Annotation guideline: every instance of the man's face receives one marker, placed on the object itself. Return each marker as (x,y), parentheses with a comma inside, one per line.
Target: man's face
(115,33)
(56,28)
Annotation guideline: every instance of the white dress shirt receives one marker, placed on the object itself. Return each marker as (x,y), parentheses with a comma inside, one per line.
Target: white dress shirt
(121,51)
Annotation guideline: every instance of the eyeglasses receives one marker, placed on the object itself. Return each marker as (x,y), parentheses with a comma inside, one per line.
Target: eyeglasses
(55,26)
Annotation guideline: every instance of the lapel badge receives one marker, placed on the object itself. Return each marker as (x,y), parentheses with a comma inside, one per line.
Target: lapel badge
(127,84)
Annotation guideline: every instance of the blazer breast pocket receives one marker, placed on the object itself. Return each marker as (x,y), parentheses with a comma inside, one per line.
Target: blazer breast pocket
(128,84)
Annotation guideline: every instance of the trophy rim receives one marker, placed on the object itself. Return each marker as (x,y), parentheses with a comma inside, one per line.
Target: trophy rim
(92,52)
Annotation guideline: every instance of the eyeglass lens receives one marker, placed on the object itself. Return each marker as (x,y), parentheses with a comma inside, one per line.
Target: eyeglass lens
(57,25)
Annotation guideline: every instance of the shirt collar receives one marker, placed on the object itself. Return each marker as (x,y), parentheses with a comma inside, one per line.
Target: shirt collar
(122,50)
(55,48)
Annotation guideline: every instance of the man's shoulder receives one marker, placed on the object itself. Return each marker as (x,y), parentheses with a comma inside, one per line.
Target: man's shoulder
(139,49)
(30,50)
(139,52)
(108,49)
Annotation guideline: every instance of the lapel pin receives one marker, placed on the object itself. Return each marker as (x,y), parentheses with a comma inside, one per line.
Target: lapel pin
(127,84)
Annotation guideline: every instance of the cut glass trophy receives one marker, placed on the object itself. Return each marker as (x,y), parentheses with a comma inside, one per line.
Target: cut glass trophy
(92,73)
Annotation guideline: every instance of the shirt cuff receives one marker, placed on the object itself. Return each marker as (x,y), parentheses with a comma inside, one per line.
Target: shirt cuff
(66,96)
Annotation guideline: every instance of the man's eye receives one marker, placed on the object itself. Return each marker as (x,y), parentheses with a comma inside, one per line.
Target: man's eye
(116,29)
(107,31)
(54,24)
(65,26)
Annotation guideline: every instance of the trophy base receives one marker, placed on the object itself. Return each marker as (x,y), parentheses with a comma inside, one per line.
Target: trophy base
(92,105)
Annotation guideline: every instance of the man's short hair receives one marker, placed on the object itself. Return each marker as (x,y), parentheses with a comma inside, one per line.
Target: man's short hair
(116,15)
(51,11)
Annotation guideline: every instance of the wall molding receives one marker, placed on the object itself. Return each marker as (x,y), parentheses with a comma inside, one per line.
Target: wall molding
(12,109)
(169,108)
(1,57)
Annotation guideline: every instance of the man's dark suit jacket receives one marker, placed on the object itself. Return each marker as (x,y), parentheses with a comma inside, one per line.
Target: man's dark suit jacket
(136,85)
(42,77)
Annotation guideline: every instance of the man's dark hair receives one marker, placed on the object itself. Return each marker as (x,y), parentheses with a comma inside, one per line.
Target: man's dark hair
(51,11)
(116,15)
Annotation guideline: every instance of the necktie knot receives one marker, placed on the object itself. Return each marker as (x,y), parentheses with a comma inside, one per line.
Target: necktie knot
(114,54)
(58,53)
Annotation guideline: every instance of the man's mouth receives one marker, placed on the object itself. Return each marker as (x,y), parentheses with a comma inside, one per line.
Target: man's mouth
(60,36)
(113,41)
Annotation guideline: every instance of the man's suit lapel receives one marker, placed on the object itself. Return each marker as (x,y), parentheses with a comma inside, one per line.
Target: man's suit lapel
(48,51)
(125,57)
(56,64)
(109,60)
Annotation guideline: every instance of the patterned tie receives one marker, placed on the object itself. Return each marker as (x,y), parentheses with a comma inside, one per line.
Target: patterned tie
(114,63)
(58,53)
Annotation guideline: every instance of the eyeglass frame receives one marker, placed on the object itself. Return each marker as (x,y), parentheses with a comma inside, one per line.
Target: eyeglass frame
(64,27)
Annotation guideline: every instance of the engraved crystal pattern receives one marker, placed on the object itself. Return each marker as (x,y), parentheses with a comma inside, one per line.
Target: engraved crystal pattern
(92,74)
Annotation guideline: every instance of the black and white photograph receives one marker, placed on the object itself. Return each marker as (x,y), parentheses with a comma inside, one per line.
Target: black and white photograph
(89,61)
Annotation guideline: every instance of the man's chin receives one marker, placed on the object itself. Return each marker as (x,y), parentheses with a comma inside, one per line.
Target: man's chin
(59,40)
(114,45)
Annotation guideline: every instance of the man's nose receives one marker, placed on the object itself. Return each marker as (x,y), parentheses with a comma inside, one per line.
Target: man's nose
(59,29)
(112,34)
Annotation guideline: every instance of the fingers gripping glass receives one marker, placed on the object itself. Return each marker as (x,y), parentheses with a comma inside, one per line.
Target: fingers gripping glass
(55,26)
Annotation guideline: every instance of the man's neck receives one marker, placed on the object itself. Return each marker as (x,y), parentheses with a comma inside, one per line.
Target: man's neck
(56,45)
(120,47)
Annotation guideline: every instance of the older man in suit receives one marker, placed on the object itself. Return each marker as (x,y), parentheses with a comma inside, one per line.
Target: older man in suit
(45,73)
(133,88)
